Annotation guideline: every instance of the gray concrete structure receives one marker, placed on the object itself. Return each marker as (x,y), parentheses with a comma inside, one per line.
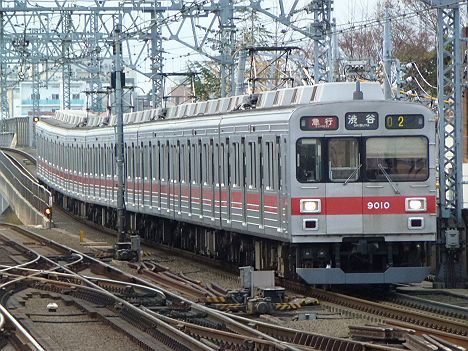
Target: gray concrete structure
(27,198)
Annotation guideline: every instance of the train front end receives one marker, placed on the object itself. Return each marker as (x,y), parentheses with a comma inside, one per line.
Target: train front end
(363,191)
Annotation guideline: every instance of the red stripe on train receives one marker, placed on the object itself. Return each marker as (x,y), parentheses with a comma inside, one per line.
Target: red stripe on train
(368,205)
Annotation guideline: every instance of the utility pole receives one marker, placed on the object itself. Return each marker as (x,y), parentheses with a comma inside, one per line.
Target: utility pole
(95,83)
(335,74)
(35,77)
(321,34)
(119,134)
(451,234)
(240,88)
(227,28)
(5,108)
(66,68)
(157,83)
(387,56)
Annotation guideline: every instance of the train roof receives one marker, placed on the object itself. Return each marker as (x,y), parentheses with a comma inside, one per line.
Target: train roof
(277,99)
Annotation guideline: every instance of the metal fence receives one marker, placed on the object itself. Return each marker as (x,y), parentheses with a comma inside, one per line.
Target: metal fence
(19,126)
(35,194)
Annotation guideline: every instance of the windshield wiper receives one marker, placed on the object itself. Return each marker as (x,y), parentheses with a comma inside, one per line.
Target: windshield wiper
(352,174)
(395,189)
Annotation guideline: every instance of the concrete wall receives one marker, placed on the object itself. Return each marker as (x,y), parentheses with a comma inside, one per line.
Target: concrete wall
(26,213)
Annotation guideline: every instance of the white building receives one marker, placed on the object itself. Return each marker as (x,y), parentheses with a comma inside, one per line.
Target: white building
(50,98)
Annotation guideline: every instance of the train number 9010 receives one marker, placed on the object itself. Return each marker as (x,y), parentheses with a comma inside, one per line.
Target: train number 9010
(378,205)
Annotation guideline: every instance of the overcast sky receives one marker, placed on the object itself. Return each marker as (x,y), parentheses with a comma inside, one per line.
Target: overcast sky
(345,12)
(353,10)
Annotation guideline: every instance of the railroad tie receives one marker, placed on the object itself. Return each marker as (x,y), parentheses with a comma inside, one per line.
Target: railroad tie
(228,306)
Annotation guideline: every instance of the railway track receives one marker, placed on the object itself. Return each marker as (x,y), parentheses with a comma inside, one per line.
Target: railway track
(99,296)
(448,304)
(14,336)
(455,331)
(211,329)
(438,308)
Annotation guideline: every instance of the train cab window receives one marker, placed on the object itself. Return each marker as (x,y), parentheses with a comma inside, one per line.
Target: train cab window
(343,160)
(397,158)
(308,160)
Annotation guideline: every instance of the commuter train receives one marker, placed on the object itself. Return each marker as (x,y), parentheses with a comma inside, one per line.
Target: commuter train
(313,181)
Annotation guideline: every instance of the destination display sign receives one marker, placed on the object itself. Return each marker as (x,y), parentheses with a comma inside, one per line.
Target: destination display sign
(319,123)
(404,121)
(361,120)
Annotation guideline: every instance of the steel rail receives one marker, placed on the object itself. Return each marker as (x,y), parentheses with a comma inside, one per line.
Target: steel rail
(92,278)
(234,340)
(21,329)
(394,313)
(7,268)
(431,305)
(171,332)
(314,340)
(235,326)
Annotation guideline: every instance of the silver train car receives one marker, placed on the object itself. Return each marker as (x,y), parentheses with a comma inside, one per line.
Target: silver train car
(305,181)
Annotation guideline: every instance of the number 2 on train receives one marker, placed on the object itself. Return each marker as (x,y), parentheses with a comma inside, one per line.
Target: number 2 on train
(400,120)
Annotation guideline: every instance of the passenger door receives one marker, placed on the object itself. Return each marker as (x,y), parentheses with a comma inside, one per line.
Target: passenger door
(343,206)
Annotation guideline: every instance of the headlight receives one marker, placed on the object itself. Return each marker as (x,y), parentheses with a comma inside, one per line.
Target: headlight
(310,206)
(415,204)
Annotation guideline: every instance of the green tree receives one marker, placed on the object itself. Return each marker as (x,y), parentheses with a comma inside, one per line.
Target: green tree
(207,82)
(413,36)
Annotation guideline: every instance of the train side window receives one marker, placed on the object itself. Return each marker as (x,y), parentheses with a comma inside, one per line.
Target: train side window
(182,162)
(90,161)
(211,163)
(269,165)
(236,165)
(222,166)
(193,163)
(145,165)
(227,180)
(137,161)
(200,163)
(177,175)
(343,159)
(168,161)
(252,161)
(157,164)
(399,158)
(259,169)
(308,160)
(132,161)
(205,164)
(189,162)
(151,161)
(162,164)
(278,163)
(113,160)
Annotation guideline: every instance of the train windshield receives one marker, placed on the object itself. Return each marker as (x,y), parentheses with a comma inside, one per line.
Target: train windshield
(343,159)
(308,160)
(402,158)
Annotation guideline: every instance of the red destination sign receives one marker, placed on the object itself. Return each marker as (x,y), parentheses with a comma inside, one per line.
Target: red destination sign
(319,123)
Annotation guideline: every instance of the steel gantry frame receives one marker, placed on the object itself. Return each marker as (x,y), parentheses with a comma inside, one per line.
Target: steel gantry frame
(320,31)
(66,66)
(95,83)
(68,35)
(451,255)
